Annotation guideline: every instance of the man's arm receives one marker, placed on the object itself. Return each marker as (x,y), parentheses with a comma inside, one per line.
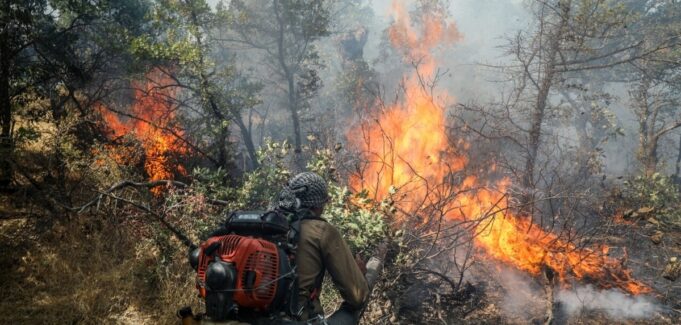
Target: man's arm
(343,269)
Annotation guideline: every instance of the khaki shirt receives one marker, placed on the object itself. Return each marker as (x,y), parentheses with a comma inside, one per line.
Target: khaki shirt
(321,248)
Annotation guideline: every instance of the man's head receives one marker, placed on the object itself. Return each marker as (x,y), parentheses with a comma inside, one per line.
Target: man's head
(309,189)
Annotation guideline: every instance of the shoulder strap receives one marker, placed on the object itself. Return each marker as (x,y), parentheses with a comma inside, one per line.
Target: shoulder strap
(295,219)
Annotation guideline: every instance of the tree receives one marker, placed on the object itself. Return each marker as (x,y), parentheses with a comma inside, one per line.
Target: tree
(62,53)
(656,81)
(677,169)
(284,32)
(594,123)
(570,38)
(184,38)
(657,111)
(20,26)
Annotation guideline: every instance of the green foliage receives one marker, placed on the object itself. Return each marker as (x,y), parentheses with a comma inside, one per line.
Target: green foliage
(359,220)
(261,186)
(363,227)
(211,181)
(190,209)
(658,192)
(178,35)
(187,38)
(257,188)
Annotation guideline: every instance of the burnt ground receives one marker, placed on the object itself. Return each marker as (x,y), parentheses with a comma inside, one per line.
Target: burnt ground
(648,259)
(497,295)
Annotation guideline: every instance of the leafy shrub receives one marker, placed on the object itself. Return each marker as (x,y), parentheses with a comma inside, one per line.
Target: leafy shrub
(257,188)
(361,222)
(658,192)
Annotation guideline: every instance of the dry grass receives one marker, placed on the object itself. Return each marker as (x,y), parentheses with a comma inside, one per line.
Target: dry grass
(89,271)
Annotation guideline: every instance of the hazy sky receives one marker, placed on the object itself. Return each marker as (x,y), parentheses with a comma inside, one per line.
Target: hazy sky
(483,24)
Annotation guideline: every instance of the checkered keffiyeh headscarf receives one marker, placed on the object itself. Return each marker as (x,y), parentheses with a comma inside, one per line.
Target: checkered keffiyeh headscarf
(305,190)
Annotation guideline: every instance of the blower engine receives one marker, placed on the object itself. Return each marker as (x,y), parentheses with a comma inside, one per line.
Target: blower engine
(247,266)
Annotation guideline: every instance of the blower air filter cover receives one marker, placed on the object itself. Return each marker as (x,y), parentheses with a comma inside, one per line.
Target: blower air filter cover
(257,223)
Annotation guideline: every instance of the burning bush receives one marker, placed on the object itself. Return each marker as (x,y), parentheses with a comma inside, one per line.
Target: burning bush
(151,122)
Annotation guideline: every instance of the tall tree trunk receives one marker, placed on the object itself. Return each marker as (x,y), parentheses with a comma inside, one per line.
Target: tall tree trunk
(650,158)
(295,118)
(235,116)
(648,137)
(6,146)
(248,139)
(289,73)
(536,127)
(539,109)
(677,172)
(222,148)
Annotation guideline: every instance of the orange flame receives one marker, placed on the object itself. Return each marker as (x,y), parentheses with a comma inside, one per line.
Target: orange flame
(152,121)
(406,147)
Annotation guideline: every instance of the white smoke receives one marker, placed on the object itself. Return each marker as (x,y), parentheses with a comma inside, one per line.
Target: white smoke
(523,299)
(615,303)
(519,297)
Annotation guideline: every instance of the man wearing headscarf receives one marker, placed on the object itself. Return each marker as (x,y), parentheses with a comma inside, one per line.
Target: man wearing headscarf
(321,249)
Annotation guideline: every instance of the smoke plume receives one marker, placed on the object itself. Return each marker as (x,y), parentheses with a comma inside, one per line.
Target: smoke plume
(613,302)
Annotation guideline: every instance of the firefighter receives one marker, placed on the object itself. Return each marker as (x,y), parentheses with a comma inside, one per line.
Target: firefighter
(321,248)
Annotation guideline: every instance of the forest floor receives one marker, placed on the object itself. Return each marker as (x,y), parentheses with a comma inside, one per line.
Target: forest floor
(82,271)
(89,271)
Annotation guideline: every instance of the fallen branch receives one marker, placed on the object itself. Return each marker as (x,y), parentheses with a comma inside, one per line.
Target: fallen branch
(451,282)
(128,183)
(179,234)
(121,185)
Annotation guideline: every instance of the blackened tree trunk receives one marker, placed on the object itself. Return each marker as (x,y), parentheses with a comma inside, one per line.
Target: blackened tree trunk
(295,118)
(549,68)
(248,139)
(648,144)
(6,146)
(651,159)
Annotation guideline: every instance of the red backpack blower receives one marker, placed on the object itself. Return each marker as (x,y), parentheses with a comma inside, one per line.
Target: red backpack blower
(246,271)
(248,267)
